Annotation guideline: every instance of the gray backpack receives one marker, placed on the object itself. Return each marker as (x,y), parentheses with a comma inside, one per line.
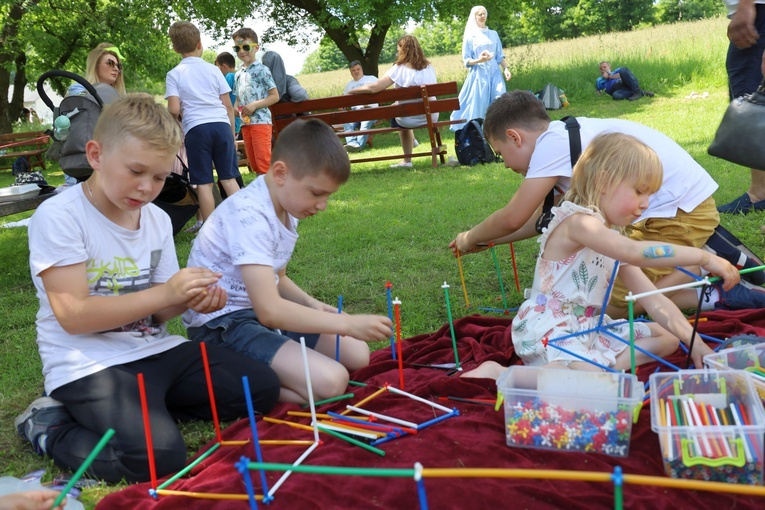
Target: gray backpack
(550,97)
(83,111)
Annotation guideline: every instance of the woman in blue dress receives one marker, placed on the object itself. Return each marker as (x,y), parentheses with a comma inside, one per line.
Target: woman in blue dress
(483,56)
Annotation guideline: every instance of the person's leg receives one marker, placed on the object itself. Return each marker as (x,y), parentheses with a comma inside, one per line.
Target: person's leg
(249,148)
(661,343)
(744,67)
(407,143)
(629,81)
(354,353)
(199,151)
(620,92)
(261,143)
(224,157)
(206,200)
(328,377)
(110,399)
(361,140)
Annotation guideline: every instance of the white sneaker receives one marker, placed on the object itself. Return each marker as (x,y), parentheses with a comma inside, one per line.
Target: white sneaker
(403,164)
(416,143)
(352,147)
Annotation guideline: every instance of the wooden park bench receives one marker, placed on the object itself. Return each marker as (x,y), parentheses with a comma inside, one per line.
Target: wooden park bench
(32,145)
(337,110)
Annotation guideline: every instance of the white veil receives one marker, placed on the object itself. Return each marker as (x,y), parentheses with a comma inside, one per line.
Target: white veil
(471,27)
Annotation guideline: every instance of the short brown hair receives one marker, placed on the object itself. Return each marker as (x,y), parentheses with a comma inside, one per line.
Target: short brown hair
(139,116)
(245,33)
(311,147)
(184,36)
(514,110)
(226,59)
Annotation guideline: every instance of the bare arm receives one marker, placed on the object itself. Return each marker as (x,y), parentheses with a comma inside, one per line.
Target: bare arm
(741,30)
(517,215)
(78,312)
(174,106)
(373,88)
(271,98)
(226,100)
(275,310)
(663,311)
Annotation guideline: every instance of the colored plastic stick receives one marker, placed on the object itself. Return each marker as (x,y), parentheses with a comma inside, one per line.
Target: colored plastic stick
(631,311)
(500,399)
(515,268)
(438,419)
(254,428)
(206,495)
(84,466)
(695,327)
(363,401)
(741,271)
(388,286)
(241,466)
(147,431)
(348,429)
(331,399)
(383,417)
(210,392)
(188,468)
(284,422)
(462,280)
(338,435)
(357,383)
(445,286)
(337,337)
(419,399)
(303,414)
(397,311)
(421,495)
(499,276)
(481,402)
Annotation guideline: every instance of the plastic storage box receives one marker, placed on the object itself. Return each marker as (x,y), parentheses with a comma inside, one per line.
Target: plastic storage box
(13,193)
(746,357)
(572,410)
(710,425)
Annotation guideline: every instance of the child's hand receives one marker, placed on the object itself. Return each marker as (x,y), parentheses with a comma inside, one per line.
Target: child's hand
(369,328)
(211,300)
(724,269)
(189,283)
(461,244)
(700,349)
(30,500)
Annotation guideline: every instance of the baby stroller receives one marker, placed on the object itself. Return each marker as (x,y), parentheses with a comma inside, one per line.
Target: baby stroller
(178,199)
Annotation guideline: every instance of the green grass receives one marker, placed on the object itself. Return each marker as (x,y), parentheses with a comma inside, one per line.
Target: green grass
(394,225)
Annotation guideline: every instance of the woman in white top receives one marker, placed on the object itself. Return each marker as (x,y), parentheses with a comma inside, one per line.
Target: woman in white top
(411,68)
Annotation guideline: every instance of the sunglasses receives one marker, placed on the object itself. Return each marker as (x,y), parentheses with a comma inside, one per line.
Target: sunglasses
(245,47)
(112,64)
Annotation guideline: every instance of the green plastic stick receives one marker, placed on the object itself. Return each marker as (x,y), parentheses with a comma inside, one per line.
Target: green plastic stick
(451,325)
(85,465)
(331,399)
(338,435)
(333,470)
(188,468)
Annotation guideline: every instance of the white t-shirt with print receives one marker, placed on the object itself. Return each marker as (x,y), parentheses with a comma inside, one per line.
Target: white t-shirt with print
(404,76)
(242,230)
(686,184)
(67,229)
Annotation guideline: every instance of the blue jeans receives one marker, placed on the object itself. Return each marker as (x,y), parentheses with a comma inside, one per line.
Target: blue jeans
(241,331)
(359,140)
(628,84)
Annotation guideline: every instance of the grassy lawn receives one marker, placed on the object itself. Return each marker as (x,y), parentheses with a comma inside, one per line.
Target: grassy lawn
(395,224)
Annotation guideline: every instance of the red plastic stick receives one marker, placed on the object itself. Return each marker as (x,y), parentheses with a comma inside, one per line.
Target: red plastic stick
(515,268)
(213,407)
(147,431)
(396,307)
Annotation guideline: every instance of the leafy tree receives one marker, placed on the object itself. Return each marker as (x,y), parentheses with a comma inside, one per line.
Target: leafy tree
(603,16)
(670,11)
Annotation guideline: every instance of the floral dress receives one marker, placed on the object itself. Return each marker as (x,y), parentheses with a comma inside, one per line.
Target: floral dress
(566,299)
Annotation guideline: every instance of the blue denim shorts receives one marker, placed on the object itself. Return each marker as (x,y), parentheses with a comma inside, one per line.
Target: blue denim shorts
(241,331)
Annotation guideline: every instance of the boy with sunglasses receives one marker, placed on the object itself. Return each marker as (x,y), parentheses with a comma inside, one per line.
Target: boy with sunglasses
(197,93)
(255,91)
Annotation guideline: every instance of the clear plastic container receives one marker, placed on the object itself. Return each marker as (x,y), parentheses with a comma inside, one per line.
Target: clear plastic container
(569,410)
(710,425)
(745,357)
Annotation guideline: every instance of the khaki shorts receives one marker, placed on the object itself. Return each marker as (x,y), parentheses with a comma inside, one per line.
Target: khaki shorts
(686,229)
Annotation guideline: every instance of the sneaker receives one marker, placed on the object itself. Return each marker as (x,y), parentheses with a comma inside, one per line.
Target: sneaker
(415,143)
(741,297)
(635,96)
(648,93)
(42,415)
(352,147)
(194,228)
(403,164)
(743,205)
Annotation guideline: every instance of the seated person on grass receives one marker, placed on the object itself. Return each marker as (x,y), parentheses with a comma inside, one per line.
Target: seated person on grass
(250,239)
(619,84)
(104,265)
(681,212)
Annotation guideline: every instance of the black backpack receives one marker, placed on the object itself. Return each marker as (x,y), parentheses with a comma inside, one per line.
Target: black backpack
(471,146)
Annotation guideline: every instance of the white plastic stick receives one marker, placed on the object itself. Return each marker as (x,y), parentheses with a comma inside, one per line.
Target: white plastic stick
(383,417)
(419,399)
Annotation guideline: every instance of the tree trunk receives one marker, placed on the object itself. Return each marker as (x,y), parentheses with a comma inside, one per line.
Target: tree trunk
(12,56)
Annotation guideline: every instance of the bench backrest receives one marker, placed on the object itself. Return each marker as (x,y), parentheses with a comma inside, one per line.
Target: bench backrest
(336,109)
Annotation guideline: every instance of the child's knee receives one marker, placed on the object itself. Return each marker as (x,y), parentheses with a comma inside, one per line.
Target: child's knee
(332,385)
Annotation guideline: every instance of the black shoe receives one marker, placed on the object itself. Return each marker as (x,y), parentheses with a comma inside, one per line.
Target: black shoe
(637,95)
(648,93)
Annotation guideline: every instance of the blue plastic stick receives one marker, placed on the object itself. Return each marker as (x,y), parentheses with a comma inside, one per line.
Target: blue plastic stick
(254,428)
(388,286)
(337,338)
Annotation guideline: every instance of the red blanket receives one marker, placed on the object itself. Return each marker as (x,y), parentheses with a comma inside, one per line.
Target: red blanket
(474,439)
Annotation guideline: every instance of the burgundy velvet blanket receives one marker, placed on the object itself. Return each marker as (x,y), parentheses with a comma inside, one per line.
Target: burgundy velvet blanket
(474,439)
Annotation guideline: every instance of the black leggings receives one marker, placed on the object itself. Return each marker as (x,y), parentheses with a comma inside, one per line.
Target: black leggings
(176,390)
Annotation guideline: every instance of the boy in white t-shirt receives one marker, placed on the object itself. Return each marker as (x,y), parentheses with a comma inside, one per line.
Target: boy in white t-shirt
(250,239)
(198,94)
(104,265)
(681,212)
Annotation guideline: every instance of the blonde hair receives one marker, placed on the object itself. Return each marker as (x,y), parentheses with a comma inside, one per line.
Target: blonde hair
(609,159)
(411,53)
(140,116)
(184,36)
(94,58)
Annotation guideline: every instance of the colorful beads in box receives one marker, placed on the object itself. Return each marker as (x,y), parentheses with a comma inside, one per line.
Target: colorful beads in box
(538,424)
